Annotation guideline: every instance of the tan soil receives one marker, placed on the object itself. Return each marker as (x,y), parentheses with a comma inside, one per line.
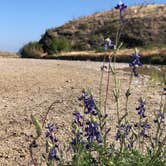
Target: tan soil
(30,86)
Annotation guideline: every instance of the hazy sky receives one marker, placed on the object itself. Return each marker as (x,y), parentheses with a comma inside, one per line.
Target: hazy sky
(26,20)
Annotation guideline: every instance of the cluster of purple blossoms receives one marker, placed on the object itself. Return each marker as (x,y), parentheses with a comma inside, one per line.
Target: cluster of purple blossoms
(123,131)
(144,127)
(121,6)
(92,132)
(53,154)
(141,108)
(135,62)
(78,118)
(77,139)
(50,137)
(89,103)
(78,121)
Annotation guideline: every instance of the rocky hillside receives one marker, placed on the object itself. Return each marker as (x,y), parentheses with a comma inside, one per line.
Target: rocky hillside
(144,25)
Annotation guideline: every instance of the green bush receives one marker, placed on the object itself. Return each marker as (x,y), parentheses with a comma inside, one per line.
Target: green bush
(99,49)
(59,45)
(32,50)
(157,59)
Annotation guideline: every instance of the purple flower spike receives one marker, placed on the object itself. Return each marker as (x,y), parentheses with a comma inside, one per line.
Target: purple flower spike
(135,62)
(77,139)
(89,103)
(50,127)
(123,131)
(144,127)
(92,132)
(77,119)
(49,133)
(141,108)
(121,6)
(53,154)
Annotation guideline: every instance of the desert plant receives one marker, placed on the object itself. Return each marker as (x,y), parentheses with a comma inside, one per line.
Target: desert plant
(31,50)
(59,45)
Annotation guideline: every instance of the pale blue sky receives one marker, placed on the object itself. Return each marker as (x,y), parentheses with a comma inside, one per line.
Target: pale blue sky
(26,20)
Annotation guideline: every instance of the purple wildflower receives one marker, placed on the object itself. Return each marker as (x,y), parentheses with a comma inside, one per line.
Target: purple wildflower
(89,104)
(53,154)
(123,131)
(144,127)
(49,133)
(141,108)
(92,132)
(77,118)
(121,6)
(50,127)
(77,139)
(135,62)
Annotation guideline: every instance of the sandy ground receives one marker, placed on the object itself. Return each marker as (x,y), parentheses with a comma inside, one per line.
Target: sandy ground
(30,86)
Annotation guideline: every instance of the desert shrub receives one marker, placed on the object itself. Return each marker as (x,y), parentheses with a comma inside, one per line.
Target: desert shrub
(59,45)
(31,50)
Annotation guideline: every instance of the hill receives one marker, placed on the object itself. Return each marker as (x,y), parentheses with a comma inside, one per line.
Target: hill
(144,25)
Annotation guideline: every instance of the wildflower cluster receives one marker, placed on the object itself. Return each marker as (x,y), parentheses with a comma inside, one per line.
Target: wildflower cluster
(89,103)
(123,131)
(51,143)
(77,132)
(144,127)
(141,108)
(92,132)
(90,144)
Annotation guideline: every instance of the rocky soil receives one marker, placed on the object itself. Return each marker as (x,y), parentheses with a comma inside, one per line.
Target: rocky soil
(30,86)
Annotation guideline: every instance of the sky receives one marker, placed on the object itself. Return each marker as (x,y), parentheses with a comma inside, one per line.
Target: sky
(22,21)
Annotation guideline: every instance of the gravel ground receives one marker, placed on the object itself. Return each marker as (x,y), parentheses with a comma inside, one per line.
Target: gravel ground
(30,86)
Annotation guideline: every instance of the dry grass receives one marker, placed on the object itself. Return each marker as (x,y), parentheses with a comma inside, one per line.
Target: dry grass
(8,55)
(122,53)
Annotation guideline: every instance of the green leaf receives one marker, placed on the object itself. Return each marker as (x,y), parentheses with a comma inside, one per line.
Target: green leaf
(37,125)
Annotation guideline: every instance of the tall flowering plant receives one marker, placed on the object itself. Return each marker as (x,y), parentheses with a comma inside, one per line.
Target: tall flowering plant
(90,142)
